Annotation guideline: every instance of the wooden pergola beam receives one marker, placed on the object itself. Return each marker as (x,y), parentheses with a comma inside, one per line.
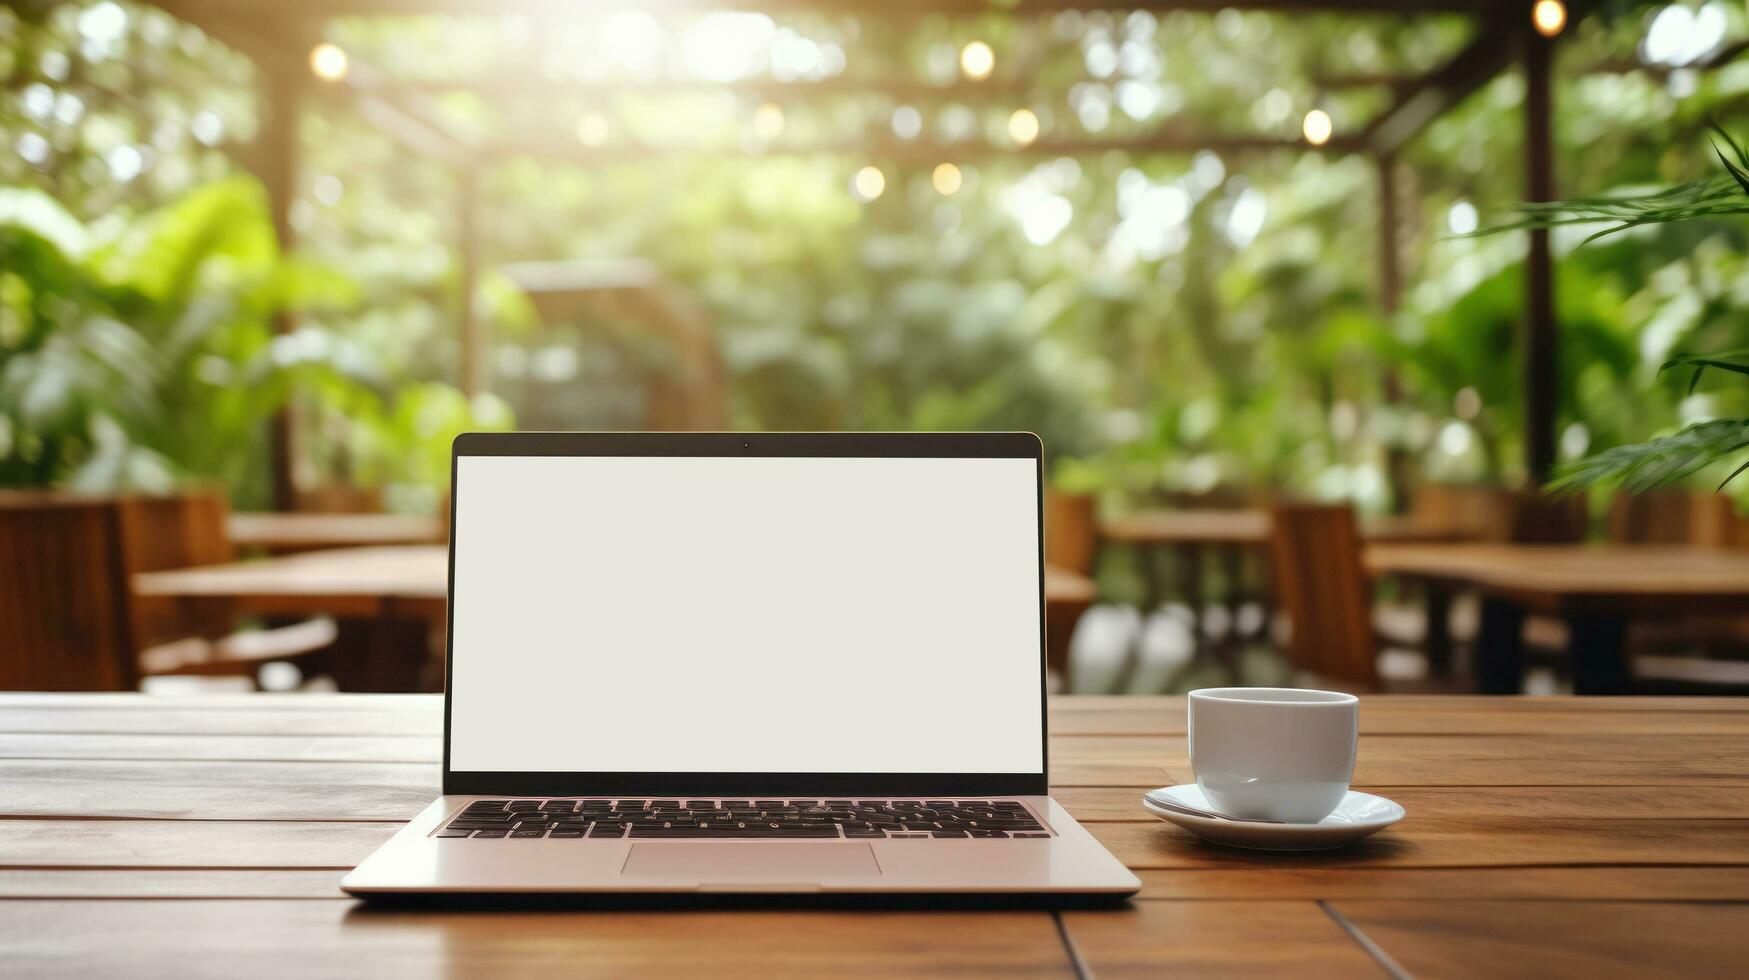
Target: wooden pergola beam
(316,11)
(1178,140)
(1423,100)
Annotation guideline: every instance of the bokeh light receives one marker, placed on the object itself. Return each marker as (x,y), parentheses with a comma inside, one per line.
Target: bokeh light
(768,121)
(868,183)
(977,60)
(1317,127)
(947,179)
(1549,16)
(1023,126)
(328,61)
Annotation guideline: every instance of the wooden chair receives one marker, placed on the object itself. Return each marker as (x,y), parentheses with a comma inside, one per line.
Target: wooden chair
(182,637)
(64,623)
(339,499)
(1540,518)
(1321,583)
(1696,654)
(69,620)
(1071,531)
(1671,515)
(1479,512)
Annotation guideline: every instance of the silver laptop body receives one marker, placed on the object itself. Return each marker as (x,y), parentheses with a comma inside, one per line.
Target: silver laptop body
(745,663)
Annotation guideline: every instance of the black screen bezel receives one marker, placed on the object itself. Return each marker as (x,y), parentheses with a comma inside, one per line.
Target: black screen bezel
(969,445)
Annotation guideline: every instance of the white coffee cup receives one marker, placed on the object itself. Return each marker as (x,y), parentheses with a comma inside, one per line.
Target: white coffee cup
(1273,753)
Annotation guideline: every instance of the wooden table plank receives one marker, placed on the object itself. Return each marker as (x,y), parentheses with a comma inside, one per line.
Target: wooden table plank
(316,938)
(1439,842)
(1407,715)
(188,843)
(198,790)
(1213,938)
(410,714)
(110,883)
(1602,883)
(239,748)
(1604,803)
(1544,939)
(1455,760)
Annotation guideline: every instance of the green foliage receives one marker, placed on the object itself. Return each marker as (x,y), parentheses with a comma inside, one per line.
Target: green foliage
(1642,466)
(145,355)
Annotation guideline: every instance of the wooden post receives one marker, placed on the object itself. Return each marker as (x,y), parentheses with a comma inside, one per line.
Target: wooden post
(276,164)
(1390,299)
(1540,344)
(473,341)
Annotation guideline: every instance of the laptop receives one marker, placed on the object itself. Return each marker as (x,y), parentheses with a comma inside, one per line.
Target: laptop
(745,663)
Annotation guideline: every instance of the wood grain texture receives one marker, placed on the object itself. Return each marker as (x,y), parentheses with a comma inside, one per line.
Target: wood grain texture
(1518,809)
(241,748)
(188,843)
(317,938)
(1544,939)
(1603,883)
(171,883)
(1214,938)
(197,790)
(1603,803)
(1439,842)
(1456,760)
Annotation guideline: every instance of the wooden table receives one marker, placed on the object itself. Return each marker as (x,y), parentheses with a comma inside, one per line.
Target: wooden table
(387,599)
(1577,837)
(287,533)
(1239,538)
(1598,589)
(1247,528)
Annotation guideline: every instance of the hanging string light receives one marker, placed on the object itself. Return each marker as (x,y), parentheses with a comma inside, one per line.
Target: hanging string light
(1549,17)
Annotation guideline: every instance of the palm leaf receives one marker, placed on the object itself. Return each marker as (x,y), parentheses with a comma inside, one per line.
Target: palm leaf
(1642,466)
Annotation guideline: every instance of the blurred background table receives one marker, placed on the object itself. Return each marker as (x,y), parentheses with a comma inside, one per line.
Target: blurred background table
(286,533)
(1567,836)
(1248,528)
(388,601)
(1597,589)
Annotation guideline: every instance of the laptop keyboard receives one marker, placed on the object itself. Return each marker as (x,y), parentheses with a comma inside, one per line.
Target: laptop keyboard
(722,819)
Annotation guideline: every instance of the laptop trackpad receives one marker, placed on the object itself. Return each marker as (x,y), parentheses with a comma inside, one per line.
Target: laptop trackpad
(768,863)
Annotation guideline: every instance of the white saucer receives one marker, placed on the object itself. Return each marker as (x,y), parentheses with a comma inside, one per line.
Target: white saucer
(1358,815)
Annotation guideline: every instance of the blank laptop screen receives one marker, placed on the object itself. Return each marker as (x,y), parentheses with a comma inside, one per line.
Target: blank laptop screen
(637,614)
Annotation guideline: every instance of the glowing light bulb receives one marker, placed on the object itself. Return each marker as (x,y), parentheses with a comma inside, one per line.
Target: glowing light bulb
(328,61)
(977,60)
(947,179)
(868,183)
(768,121)
(1549,16)
(1317,127)
(1023,126)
